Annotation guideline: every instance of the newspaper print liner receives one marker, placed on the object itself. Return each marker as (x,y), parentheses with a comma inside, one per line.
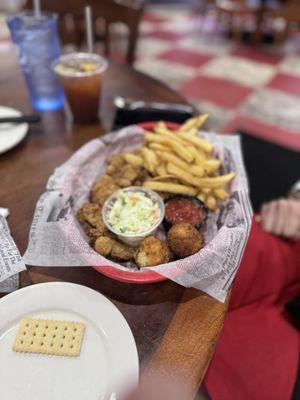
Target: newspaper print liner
(56,239)
(11,262)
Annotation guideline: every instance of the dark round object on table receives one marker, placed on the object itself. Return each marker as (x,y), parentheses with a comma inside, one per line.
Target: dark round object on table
(184,208)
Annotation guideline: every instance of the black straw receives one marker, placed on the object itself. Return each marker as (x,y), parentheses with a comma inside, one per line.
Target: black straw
(31,119)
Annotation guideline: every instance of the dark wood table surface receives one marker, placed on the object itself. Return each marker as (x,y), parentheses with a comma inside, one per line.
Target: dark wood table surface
(175,329)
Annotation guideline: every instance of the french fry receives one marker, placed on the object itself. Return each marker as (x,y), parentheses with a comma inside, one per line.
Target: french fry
(201,197)
(221,194)
(181,174)
(192,132)
(163,177)
(173,137)
(152,137)
(206,191)
(216,181)
(211,203)
(149,167)
(202,144)
(149,155)
(193,123)
(206,183)
(159,126)
(201,119)
(150,161)
(153,156)
(162,130)
(161,170)
(133,159)
(189,124)
(181,152)
(177,148)
(197,170)
(168,187)
(158,146)
(200,156)
(211,165)
(169,157)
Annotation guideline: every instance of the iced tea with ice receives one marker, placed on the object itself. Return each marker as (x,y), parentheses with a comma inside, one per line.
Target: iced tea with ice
(81,76)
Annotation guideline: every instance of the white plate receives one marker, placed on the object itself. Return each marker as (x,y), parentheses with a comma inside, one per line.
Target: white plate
(108,362)
(11,134)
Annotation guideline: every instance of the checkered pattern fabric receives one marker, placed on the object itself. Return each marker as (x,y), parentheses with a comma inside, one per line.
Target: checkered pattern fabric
(242,87)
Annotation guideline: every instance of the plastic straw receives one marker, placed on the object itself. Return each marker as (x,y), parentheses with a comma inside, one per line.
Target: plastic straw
(89,29)
(37,8)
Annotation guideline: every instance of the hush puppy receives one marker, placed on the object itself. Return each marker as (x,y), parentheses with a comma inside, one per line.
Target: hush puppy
(184,239)
(151,252)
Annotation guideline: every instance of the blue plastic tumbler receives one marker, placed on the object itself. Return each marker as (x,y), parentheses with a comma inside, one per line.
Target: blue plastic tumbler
(38,45)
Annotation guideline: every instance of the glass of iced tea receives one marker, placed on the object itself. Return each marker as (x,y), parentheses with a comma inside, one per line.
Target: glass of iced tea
(81,76)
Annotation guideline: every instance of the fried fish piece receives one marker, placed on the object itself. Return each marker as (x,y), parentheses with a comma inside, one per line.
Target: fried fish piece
(152,251)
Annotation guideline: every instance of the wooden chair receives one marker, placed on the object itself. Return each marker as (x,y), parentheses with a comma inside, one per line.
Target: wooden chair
(71,20)
(290,13)
(234,9)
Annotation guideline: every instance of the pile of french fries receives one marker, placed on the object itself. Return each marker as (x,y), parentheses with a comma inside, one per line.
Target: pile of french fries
(181,162)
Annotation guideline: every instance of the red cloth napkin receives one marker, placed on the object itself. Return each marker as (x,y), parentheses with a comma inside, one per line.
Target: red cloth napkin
(257,355)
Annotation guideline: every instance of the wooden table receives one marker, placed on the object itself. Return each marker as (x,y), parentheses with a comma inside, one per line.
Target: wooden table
(175,329)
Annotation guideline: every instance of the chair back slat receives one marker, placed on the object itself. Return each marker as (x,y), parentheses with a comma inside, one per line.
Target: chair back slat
(71,13)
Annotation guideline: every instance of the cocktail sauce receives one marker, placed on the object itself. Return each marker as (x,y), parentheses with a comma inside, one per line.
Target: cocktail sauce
(184,210)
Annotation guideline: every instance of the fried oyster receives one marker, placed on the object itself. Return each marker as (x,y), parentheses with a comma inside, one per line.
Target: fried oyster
(90,218)
(91,213)
(118,175)
(103,188)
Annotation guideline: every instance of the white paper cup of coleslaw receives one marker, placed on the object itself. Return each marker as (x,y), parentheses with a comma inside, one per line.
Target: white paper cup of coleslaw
(133,213)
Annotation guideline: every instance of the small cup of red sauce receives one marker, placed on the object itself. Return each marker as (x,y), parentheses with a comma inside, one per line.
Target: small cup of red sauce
(184,208)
